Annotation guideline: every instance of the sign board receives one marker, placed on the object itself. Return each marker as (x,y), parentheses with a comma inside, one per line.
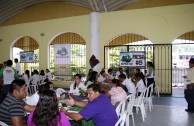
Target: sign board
(27,57)
(132,59)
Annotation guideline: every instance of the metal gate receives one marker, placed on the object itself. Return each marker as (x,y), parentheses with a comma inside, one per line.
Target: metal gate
(159,54)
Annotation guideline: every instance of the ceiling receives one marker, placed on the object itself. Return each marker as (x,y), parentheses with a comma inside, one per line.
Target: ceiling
(10,8)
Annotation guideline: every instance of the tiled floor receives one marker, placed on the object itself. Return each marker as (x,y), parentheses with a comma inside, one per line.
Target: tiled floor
(167,111)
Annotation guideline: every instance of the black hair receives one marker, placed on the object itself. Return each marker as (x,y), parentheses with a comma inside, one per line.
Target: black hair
(9,63)
(102,72)
(137,69)
(150,63)
(16,60)
(191,61)
(42,72)
(16,85)
(95,88)
(79,76)
(122,76)
(116,82)
(28,73)
(43,87)
(138,75)
(36,72)
(47,111)
(109,70)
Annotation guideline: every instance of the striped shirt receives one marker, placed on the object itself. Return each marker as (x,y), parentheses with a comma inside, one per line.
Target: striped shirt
(11,107)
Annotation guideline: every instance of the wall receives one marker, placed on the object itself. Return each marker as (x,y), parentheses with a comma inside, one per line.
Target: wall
(51,28)
(159,24)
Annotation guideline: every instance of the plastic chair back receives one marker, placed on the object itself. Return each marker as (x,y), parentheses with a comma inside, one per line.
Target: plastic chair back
(3,124)
(122,119)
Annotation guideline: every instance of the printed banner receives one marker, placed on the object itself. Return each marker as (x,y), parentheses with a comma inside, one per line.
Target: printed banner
(133,59)
(62,59)
(62,53)
(26,57)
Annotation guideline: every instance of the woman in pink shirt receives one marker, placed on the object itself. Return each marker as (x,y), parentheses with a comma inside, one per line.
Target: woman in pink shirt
(117,93)
(47,112)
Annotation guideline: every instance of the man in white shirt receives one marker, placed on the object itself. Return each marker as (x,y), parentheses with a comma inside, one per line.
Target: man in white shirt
(120,72)
(189,91)
(18,67)
(7,74)
(110,74)
(128,83)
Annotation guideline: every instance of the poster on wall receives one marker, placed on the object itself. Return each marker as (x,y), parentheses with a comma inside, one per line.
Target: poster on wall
(132,59)
(27,57)
(62,59)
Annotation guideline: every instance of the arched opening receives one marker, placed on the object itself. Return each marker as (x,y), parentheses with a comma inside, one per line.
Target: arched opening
(26,44)
(67,55)
(182,51)
(126,43)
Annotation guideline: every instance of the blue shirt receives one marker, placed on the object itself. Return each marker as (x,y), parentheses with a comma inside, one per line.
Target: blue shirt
(101,111)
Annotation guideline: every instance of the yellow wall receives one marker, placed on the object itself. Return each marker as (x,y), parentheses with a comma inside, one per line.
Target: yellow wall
(51,28)
(159,24)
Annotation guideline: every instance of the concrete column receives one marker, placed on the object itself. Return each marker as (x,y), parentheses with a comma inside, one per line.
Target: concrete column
(94,37)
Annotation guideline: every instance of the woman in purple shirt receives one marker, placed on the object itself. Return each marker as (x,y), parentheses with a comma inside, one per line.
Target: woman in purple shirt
(47,112)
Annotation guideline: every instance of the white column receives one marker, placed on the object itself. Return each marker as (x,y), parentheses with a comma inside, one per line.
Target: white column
(94,38)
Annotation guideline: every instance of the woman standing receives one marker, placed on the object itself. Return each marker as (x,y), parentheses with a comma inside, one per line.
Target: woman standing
(47,112)
(150,73)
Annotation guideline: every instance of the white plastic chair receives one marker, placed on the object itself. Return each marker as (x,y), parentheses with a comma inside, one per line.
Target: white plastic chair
(140,104)
(126,106)
(120,109)
(157,88)
(3,124)
(129,103)
(148,96)
(60,91)
(122,119)
(33,88)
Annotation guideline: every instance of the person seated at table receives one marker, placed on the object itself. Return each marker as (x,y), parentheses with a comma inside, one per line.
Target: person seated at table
(77,85)
(127,83)
(93,78)
(117,93)
(103,78)
(47,112)
(142,75)
(110,74)
(35,78)
(13,108)
(119,72)
(42,76)
(89,74)
(139,83)
(48,74)
(33,99)
(98,108)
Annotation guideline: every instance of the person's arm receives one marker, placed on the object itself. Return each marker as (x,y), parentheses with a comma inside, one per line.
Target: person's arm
(18,121)
(29,108)
(72,102)
(74,116)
